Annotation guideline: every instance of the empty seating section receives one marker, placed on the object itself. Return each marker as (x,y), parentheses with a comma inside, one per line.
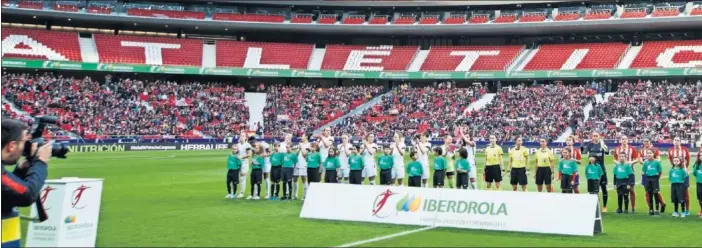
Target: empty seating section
(568,16)
(652,52)
(159,13)
(234,53)
(301,18)
(477,19)
(354,19)
(597,56)
(667,11)
(396,58)
(326,19)
(30,4)
(65,7)
(440,58)
(506,18)
(63,43)
(99,10)
(633,13)
(598,14)
(130,50)
(429,20)
(378,20)
(455,19)
(5,3)
(405,20)
(697,10)
(533,17)
(248,17)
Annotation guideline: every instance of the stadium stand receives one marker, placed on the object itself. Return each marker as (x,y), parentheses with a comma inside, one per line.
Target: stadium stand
(354,19)
(378,19)
(429,19)
(506,18)
(660,110)
(164,13)
(440,58)
(326,19)
(395,58)
(592,56)
(302,18)
(411,110)
(248,17)
(405,20)
(697,10)
(30,4)
(130,50)
(99,9)
(651,53)
(65,44)
(455,19)
(299,110)
(598,14)
(65,7)
(665,11)
(568,16)
(479,18)
(130,106)
(634,13)
(296,55)
(533,17)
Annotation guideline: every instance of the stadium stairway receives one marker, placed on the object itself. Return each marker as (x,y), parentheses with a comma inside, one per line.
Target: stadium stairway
(256,102)
(480,103)
(88,50)
(629,56)
(358,110)
(16,110)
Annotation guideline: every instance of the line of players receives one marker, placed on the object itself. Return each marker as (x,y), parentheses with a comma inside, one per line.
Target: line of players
(308,162)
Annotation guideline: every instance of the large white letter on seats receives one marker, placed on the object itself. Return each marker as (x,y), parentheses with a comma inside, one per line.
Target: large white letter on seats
(10,43)
(665,59)
(253,60)
(469,58)
(358,57)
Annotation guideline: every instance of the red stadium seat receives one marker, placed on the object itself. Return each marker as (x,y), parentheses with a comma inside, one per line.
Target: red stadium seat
(64,43)
(302,18)
(652,54)
(399,58)
(671,11)
(479,19)
(295,55)
(65,7)
(455,19)
(405,20)
(598,15)
(99,10)
(30,4)
(112,50)
(378,20)
(429,20)
(248,17)
(175,14)
(440,58)
(633,13)
(599,56)
(326,19)
(506,18)
(533,17)
(568,16)
(354,19)
(696,11)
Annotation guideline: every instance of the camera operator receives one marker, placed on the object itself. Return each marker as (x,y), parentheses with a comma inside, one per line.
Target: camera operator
(21,187)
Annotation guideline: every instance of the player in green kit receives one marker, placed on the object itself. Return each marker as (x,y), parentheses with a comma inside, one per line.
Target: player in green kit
(568,169)
(385,163)
(257,172)
(314,159)
(439,167)
(677,177)
(450,153)
(653,170)
(697,172)
(622,171)
(593,173)
(463,168)
(233,167)
(276,160)
(331,165)
(356,167)
(288,167)
(414,171)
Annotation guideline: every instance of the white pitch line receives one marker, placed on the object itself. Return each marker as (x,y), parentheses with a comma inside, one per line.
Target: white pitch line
(387,237)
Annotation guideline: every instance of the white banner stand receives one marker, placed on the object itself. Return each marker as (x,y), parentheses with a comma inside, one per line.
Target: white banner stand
(73,207)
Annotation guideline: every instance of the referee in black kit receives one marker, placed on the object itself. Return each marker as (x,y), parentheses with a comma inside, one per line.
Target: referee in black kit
(598,150)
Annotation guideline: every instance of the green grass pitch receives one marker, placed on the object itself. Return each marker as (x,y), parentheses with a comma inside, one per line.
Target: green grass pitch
(177,199)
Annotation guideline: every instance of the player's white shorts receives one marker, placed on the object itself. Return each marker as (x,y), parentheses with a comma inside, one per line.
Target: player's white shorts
(369,171)
(300,172)
(425,170)
(267,167)
(473,173)
(344,172)
(244,167)
(398,172)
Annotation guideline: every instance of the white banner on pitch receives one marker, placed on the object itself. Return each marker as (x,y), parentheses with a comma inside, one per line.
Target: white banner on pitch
(73,207)
(567,214)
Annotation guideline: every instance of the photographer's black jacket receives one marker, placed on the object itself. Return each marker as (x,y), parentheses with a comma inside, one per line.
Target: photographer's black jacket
(20,188)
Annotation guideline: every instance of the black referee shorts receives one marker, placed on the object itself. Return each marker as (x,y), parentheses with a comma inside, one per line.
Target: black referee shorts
(543,175)
(386,177)
(677,192)
(652,184)
(518,176)
(439,176)
(356,177)
(313,175)
(493,173)
(276,172)
(287,174)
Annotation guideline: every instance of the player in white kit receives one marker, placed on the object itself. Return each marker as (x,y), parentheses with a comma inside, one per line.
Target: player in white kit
(469,144)
(266,166)
(423,147)
(301,167)
(368,149)
(245,153)
(324,142)
(344,153)
(398,158)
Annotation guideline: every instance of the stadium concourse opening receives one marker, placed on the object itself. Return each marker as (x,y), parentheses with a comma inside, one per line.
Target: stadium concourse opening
(163,100)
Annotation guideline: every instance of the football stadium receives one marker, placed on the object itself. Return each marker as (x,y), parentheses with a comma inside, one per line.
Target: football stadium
(384,123)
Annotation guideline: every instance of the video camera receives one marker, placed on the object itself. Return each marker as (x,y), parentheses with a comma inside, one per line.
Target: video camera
(58,150)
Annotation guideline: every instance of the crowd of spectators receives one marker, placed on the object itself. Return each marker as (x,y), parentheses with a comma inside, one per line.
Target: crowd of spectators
(300,110)
(534,112)
(410,110)
(658,110)
(123,107)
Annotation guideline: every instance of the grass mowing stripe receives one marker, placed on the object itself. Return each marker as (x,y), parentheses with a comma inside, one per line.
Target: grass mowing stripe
(362,242)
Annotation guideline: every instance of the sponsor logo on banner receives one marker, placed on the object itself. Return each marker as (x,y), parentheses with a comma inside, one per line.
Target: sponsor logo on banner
(14,63)
(77,196)
(652,72)
(70,219)
(215,71)
(394,75)
(607,73)
(521,74)
(301,73)
(258,72)
(436,75)
(204,146)
(44,195)
(692,71)
(62,65)
(490,210)
(114,67)
(348,74)
(97,148)
(166,69)
(152,147)
(562,74)
(479,75)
